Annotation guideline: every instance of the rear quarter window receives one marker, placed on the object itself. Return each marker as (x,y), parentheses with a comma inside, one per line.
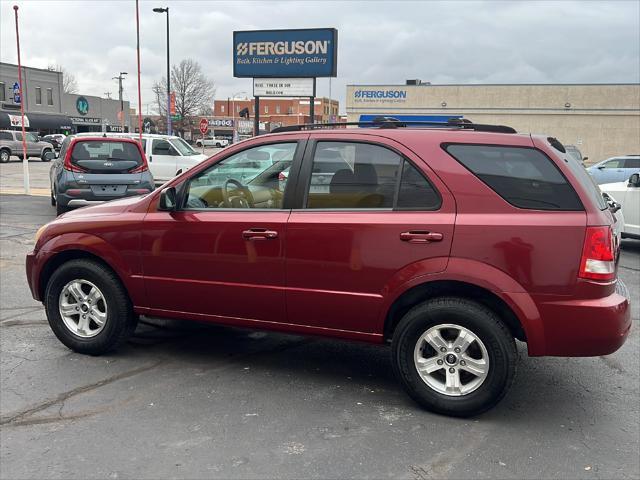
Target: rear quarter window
(524,177)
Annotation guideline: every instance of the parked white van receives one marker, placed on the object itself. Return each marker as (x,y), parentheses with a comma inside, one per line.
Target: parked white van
(167,155)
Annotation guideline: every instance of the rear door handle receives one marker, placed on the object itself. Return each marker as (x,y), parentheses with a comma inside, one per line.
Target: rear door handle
(420,236)
(259,234)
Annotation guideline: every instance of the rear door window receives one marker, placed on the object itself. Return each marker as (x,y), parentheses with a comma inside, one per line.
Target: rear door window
(632,163)
(5,136)
(524,177)
(106,157)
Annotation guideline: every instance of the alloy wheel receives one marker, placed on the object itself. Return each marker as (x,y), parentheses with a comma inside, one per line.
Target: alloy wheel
(451,359)
(83,308)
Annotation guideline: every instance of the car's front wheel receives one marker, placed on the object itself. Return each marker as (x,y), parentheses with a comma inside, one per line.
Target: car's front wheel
(88,308)
(454,356)
(5,155)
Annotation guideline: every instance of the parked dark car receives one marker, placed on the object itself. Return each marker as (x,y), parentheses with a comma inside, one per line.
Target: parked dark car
(91,170)
(55,139)
(447,243)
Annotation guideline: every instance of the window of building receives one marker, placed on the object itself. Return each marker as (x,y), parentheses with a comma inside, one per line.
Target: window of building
(2,92)
(290,110)
(524,177)
(49,96)
(266,109)
(38,96)
(253,109)
(222,108)
(277,108)
(237,108)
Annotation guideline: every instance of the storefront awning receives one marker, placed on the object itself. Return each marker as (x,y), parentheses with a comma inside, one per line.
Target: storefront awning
(35,121)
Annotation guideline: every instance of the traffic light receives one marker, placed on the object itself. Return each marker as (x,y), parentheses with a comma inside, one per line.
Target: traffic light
(244,113)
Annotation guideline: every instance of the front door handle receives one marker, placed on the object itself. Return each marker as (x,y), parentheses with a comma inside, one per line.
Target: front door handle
(259,234)
(420,236)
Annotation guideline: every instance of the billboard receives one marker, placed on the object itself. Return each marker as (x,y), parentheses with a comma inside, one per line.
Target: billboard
(284,87)
(285,53)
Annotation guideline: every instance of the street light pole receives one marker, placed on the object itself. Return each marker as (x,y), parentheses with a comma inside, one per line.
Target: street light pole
(169,127)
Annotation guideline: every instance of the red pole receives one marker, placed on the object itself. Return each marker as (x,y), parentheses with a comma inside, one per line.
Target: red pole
(25,160)
(139,90)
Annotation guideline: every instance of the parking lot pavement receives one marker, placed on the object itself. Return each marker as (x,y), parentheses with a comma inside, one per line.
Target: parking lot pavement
(194,401)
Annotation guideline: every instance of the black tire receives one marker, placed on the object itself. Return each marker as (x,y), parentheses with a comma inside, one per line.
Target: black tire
(44,157)
(483,323)
(5,155)
(218,145)
(60,209)
(121,320)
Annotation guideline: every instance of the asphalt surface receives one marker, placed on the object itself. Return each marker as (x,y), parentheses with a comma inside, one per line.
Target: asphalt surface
(184,400)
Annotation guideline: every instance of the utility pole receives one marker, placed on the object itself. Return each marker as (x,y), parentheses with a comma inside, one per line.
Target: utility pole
(169,127)
(120,78)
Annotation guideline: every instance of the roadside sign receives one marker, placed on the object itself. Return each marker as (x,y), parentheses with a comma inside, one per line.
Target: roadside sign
(284,87)
(204,125)
(17,97)
(175,117)
(303,52)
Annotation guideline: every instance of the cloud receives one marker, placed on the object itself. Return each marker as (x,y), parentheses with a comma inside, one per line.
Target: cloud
(379,42)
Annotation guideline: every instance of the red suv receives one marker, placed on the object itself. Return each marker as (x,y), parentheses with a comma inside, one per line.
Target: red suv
(448,243)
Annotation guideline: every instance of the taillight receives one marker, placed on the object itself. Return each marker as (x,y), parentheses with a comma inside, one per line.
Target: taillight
(598,256)
(282,177)
(70,166)
(140,169)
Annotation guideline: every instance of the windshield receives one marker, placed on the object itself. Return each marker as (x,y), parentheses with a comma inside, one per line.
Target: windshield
(183,147)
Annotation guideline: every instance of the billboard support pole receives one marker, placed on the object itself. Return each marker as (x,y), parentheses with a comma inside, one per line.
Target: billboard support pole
(312,101)
(256,118)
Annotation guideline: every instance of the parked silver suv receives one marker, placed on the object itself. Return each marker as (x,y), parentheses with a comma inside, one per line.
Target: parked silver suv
(11,144)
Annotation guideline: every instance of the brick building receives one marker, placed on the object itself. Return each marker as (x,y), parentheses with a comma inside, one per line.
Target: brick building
(281,111)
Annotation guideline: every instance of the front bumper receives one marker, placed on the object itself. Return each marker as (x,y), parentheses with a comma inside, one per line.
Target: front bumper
(586,327)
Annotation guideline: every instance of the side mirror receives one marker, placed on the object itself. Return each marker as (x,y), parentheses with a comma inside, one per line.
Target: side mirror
(168,199)
(584,159)
(634,180)
(601,167)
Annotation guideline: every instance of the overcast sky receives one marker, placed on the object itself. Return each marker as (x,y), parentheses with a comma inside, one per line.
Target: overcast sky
(379,42)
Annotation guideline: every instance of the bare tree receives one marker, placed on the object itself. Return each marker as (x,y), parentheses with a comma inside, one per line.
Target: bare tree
(194,90)
(69,84)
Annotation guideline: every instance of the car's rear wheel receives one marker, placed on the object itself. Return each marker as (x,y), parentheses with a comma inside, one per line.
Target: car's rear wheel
(47,155)
(5,155)
(454,356)
(88,308)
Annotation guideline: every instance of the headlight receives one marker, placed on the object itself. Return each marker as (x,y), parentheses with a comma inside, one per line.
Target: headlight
(39,233)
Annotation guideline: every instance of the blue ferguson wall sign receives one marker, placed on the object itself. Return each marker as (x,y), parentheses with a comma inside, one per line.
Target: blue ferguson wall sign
(285,53)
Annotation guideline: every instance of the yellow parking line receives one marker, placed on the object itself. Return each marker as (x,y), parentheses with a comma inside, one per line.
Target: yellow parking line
(36,192)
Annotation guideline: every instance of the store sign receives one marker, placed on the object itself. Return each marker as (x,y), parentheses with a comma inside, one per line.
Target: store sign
(380,95)
(86,120)
(117,129)
(221,122)
(17,96)
(16,121)
(284,87)
(285,53)
(245,126)
(82,105)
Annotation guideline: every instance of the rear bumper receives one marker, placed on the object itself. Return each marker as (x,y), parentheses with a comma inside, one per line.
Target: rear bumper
(85,197)
(587,327)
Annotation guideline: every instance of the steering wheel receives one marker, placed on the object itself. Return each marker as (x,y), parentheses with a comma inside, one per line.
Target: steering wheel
(242,199)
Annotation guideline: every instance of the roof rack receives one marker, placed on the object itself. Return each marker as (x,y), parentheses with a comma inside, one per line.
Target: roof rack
(391,122)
